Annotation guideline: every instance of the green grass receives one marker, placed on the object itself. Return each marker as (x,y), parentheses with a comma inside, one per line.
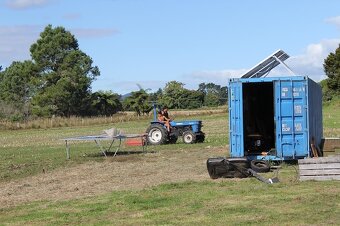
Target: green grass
(331,115)
(223,202)
(28,152)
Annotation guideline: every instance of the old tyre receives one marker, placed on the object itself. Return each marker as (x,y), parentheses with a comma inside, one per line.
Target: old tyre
(157,134)
(260,166)
(189,137)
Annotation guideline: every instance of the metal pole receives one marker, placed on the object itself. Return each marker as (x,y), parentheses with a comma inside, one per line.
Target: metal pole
(285,65)
(110,145)
(154,111)
(101,147)
(118,148)
(67,150)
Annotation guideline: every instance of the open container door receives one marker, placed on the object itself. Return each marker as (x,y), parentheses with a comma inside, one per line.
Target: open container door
(235,119)
(291,118)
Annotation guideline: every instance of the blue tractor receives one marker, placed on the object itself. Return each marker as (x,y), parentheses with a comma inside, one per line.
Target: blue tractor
(190,130)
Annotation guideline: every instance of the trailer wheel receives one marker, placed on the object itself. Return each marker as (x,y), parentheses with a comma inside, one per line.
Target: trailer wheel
(260,166)
(189,137)
(157,134)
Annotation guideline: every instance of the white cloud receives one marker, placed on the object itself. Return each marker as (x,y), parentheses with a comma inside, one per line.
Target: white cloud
(24,4)
(309,63)
(15,42)
(334,20)
(218,77)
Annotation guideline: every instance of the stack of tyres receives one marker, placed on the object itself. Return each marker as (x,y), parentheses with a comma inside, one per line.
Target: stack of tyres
(228,167)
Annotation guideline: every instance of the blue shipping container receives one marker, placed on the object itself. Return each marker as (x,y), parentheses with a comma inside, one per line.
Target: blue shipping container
(274,118)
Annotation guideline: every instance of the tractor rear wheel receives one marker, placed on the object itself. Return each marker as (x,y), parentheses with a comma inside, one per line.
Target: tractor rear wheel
(157,134)
(189,137)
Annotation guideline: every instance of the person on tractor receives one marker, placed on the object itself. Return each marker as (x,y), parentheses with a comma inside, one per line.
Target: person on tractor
(163,116)
(166,118)
(166,114)
(160,116)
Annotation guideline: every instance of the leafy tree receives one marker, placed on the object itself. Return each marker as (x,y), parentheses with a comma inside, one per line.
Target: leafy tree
(138,102)
(223,95)
(332,70)
(191,99)
(156,96)
(214,95)
(178,97)
(18,85)
(211,100)
(66,74)
(327,94)
(172,94)
(105,103)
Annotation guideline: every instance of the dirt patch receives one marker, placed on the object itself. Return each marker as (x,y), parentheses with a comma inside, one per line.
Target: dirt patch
(129,172)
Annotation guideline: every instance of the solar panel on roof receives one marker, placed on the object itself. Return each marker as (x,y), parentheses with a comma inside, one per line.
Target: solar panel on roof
(267,65)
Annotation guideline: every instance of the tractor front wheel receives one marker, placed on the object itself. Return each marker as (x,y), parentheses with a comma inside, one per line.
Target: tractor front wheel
(189,137)
(157,134)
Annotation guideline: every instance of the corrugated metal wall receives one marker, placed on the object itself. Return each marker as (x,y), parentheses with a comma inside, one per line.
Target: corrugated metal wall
(315,112)
(298,116)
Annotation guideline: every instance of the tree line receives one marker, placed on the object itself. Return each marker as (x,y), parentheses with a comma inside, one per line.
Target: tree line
(175,96)
(57,80)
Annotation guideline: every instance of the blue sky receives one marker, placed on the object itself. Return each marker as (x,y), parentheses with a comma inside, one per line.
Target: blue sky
(150,42)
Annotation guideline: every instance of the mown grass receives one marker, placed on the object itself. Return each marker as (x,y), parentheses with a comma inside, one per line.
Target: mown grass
(222,202)
(28,152)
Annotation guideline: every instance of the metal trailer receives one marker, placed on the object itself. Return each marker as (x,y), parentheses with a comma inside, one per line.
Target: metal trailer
(105,137)
(274,118)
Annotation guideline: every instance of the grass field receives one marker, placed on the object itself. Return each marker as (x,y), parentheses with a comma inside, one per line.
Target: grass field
(167,185)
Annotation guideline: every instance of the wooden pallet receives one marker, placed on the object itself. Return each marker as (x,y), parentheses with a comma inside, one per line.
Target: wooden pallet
(330,144)
(324,168)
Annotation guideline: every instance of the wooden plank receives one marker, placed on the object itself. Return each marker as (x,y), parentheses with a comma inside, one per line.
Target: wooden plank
(330,144)
(320,178)
(320,166)
(314,151)
(319,172)
(331,159)
(328,150)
